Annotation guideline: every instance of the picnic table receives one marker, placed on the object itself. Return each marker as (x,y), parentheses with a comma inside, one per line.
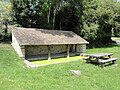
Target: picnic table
(101,58)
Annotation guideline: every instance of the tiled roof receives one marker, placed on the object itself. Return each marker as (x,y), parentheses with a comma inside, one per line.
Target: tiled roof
(32,36)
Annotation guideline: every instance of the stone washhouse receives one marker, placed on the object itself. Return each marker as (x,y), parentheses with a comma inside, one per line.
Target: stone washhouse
(34,44)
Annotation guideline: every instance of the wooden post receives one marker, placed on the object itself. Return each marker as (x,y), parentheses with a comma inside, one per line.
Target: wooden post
(49,53)
(68,49)
(75,47)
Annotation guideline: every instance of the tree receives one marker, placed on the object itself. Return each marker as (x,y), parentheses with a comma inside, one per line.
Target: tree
(98,20)
(94,20)
(42,13)
(116,24)
(28,13)
(5,10)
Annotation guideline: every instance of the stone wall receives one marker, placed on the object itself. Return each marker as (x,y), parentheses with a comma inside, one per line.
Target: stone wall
(55,49)
(43,49)
(36,50)
(81,48)
(58,49)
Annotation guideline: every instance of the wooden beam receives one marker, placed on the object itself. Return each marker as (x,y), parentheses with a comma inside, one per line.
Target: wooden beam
(49,53)
(75,47)
(68,51)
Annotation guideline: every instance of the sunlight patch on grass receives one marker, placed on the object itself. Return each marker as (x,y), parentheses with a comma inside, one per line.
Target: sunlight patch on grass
(55,61)
(115,38)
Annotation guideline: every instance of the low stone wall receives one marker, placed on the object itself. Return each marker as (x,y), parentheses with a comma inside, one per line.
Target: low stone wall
(56,50)
(43,49)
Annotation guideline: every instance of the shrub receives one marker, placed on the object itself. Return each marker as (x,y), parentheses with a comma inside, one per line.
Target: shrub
(5,38)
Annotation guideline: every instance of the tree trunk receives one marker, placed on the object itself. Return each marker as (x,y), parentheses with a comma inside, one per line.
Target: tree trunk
(109,31)
(54,15)
(48,17)
(6,26)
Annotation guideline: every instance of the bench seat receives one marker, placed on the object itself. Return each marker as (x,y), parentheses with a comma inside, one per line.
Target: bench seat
(108,60)
(102,62)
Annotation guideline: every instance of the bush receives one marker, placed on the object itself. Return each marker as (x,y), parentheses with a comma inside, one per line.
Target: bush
(5,38)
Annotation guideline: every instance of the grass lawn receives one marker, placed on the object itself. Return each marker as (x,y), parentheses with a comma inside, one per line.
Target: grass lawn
(14,75)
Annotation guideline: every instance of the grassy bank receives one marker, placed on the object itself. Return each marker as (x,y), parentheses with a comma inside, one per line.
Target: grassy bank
(14,75)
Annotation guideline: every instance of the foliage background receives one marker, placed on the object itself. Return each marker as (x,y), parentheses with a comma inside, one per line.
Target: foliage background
(95,20)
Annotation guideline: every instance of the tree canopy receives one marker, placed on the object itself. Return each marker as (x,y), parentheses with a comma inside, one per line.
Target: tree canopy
(5,10)
(94,20)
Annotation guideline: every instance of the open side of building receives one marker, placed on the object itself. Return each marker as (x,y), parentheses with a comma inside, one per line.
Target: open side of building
(33,44)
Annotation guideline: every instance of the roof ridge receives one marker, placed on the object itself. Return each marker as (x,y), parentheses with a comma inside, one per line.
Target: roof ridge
(37,29)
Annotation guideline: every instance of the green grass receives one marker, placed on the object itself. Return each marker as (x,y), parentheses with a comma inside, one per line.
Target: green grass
(14,75)
(57,60)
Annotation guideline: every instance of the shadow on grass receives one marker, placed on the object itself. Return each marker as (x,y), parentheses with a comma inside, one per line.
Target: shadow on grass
(105,65)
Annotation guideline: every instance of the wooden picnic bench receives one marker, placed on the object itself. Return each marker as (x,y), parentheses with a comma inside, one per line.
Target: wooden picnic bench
(102,62)
(100,58)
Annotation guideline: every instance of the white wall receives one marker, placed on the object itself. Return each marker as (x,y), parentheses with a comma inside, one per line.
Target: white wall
(19,49)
